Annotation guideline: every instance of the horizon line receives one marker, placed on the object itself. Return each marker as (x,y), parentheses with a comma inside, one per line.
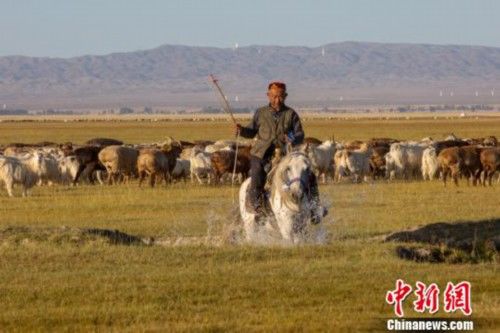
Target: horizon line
(238,46)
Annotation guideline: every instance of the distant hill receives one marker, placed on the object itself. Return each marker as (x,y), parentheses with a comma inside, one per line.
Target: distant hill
(349,72)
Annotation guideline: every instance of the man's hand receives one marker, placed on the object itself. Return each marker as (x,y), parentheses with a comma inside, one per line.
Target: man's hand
(287,138)
(237,129)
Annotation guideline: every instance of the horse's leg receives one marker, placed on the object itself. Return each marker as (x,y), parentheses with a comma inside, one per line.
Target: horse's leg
(248,226)
(287,233)
(286,225)
(248,219)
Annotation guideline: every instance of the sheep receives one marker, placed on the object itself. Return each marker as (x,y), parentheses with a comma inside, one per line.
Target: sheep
(152,162)
(340,163)
(321,157)
(119,161)
(88,160)
(358,162)
(155,162)
(181,169)
(490,159)
(68,168)
(24,171)
(430,163)
(405,159)
(49,170)
(200,165)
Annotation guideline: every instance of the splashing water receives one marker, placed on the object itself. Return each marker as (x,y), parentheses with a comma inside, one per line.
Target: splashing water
(233,233)
(224,227)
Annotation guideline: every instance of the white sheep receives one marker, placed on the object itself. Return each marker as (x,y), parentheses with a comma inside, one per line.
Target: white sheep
(24,171)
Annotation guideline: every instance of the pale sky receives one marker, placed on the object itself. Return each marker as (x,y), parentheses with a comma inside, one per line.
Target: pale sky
(66,28)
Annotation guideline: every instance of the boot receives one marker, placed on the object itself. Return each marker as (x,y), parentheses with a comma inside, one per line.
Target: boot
(260,216)
(318,213)
(258,210)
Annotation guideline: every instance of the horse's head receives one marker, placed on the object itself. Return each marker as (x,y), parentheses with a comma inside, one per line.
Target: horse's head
(293,178)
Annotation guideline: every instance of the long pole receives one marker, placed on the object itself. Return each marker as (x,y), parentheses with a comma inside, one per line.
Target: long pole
(227,108)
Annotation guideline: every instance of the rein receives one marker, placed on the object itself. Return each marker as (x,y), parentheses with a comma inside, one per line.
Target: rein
(303,184)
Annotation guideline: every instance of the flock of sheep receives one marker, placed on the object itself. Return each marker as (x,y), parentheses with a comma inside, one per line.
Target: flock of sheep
(475,159)
(111,161)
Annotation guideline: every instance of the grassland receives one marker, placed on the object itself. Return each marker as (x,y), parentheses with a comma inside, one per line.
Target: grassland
(340,286)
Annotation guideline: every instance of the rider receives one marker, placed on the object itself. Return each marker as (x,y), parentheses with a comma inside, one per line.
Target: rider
(274,126)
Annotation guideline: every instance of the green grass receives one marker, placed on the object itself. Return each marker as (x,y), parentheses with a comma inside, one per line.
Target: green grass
(339,286)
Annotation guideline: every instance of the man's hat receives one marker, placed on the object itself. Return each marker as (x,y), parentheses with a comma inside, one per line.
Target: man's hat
(277,84)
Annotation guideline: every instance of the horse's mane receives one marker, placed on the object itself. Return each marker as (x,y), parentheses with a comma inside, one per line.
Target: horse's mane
(279,181)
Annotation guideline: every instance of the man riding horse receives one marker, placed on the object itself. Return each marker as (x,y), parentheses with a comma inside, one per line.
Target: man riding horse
(275,126)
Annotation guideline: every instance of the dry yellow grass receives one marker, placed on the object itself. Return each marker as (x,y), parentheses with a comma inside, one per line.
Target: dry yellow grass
(338,286)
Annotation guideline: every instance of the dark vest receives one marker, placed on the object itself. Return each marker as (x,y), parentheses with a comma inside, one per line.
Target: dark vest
(271,129)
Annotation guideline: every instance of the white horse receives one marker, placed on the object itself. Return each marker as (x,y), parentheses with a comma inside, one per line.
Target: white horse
(289,200)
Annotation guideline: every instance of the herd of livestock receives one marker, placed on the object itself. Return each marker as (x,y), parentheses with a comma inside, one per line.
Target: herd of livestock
(207,162)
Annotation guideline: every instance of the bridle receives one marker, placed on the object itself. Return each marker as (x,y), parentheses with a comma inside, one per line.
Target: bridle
(294,180)
(305,185)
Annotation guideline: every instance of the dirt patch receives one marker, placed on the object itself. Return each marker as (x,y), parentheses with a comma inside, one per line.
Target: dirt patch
(190,241)
(69,235)
(461,242)
(80,236)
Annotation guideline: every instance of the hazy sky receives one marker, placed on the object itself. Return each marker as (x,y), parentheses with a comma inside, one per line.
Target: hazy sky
(65,28)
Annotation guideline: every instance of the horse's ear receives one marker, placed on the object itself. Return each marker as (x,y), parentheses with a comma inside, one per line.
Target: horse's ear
(332,138)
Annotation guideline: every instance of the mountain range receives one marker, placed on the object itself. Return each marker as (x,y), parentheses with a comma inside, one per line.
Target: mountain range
(333,74)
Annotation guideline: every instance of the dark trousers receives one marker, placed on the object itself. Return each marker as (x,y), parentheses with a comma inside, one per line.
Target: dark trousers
(257,181)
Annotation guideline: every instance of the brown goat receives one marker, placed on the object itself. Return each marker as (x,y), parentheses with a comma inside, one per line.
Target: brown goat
(470,165)
(154,162)
(377,161)
(490,160)
(460,161)
(449,161)
(223,162)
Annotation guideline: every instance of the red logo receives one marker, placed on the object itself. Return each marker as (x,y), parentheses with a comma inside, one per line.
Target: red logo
(427,298)
(398,295)
(456,297)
